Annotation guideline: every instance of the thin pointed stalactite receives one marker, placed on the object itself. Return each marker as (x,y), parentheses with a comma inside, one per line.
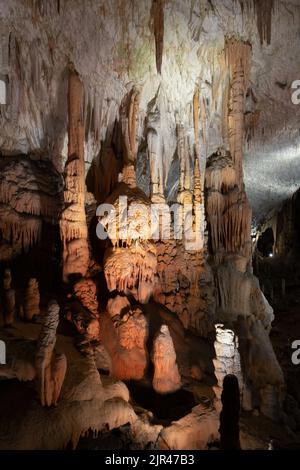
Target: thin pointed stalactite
(158,26)
(262,10)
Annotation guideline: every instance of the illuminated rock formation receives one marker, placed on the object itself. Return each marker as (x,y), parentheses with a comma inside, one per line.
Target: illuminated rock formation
(227,359)
(166,377)
(195,431)
(32,300)
(86,292)
(50,366)
(228,211)
(40,361)
(155,150)
(130,264)
(238,55)
(73,226)
(129,122)
(30,194)
(124,332)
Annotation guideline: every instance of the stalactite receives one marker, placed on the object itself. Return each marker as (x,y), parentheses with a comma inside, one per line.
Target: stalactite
(263,10)
(73,225)
(238,55)
(129,121)
(157,11)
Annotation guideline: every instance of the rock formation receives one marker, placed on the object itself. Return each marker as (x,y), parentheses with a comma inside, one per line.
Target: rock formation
(9,301)
(132,135)
(50,366)
(32,300)
(30,195)
(124,335)
(40,361)
(166,377)
(230,414)
(73,226)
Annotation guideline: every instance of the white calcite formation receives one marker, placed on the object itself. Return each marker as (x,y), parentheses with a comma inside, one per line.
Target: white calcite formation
(166,378)
(227,360)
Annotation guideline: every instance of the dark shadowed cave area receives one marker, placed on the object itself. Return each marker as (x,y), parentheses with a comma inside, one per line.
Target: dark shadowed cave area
(149,225)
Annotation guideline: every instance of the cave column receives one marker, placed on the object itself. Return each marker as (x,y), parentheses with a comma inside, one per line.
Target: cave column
(238,55)
(73,226)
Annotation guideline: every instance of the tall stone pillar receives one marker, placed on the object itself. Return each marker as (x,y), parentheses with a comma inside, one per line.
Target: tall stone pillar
(73,226)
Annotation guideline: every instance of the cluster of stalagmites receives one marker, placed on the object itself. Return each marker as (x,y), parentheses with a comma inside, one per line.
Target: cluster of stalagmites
(41,363)
(24,305)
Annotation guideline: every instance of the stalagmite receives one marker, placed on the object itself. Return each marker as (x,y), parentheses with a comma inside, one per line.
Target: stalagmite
(32,300)
(230,414)
(9,299)
(166,377)
(51,367)
(227,359)
(158,26)
(73,227)
(124,335)
(7,278)
(155,152)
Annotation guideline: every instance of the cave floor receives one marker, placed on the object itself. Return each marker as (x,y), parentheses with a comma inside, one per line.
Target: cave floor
(256,431)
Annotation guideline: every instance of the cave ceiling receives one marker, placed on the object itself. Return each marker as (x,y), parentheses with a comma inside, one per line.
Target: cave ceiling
(112,46)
